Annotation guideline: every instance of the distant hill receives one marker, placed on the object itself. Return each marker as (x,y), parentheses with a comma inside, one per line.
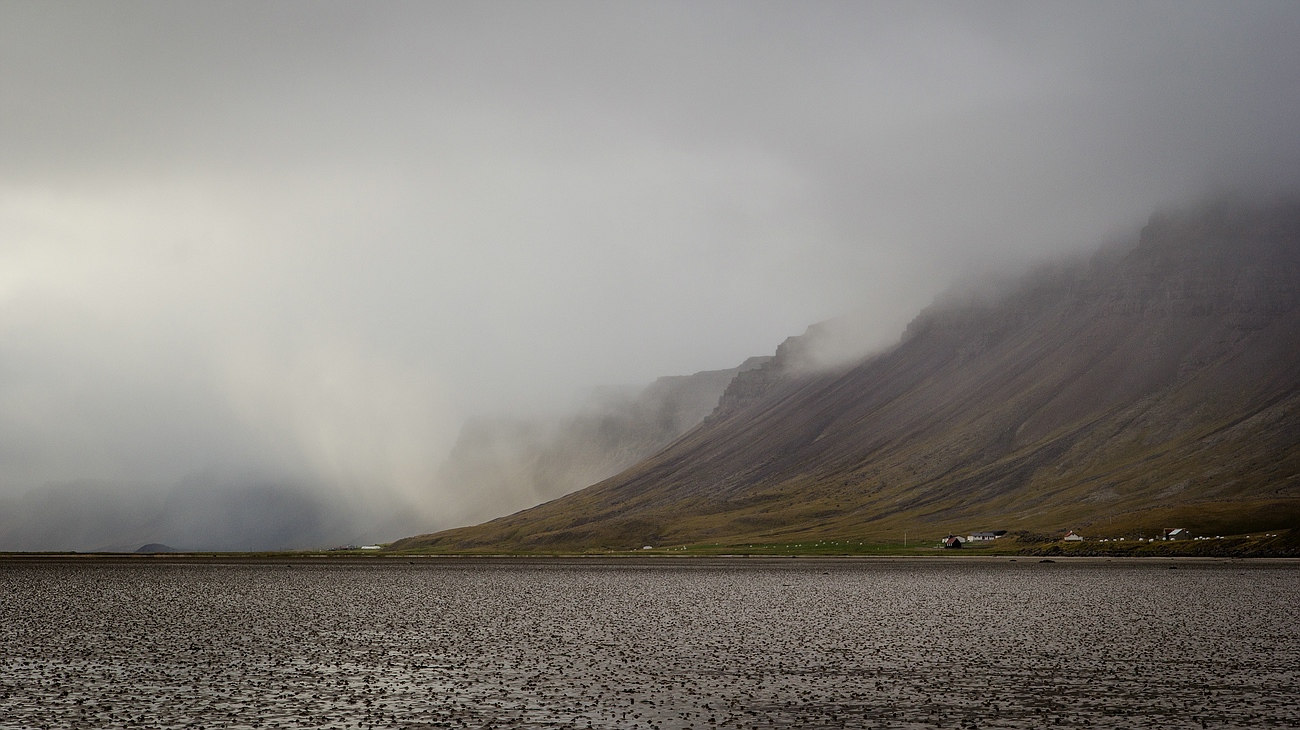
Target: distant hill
(156,547)
(1140,388)
(193,515)
(506,464)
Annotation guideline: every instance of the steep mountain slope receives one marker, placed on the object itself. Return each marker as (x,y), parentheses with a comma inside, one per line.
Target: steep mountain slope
(502,465)
(1118,394)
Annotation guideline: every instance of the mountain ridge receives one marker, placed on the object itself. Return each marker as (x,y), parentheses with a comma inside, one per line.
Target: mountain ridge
(1157,383)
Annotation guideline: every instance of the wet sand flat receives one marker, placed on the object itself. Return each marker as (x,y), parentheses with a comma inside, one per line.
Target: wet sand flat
(648,644)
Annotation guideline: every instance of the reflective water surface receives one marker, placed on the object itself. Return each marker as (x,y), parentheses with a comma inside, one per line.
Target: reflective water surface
(792,643)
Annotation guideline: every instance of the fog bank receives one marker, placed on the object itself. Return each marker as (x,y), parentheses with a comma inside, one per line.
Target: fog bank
(302,243)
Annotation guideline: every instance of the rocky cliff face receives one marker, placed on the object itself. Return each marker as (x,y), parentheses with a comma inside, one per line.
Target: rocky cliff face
(1140,386)
(824,347)
(754,384)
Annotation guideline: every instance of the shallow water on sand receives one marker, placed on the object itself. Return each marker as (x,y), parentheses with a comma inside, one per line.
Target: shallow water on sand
(700,644)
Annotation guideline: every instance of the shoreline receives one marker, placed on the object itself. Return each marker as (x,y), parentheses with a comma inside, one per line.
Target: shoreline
(610,559)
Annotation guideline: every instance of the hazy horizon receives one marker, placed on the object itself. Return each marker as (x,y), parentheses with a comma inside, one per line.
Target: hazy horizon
(303,243)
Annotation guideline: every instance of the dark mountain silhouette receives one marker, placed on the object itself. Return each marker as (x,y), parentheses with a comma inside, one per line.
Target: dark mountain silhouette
(1136,389)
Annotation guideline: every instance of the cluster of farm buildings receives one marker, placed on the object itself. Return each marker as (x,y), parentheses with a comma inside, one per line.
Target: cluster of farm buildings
(957,541)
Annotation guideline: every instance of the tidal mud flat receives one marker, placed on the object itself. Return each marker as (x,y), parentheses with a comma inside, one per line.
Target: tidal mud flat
(648,644)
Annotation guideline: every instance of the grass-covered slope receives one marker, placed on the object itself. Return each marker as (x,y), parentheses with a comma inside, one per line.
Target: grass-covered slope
(1159,387)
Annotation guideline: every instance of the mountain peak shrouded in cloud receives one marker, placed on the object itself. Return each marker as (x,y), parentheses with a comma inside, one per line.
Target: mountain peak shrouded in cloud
(1159,386)
(304,243)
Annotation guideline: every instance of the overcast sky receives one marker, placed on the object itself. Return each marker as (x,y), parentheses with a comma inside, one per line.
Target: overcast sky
(309,239)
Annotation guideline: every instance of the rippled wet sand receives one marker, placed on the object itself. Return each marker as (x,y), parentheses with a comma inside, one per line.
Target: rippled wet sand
(753,644)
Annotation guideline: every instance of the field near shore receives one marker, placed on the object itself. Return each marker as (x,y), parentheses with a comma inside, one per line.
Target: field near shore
(1274,544)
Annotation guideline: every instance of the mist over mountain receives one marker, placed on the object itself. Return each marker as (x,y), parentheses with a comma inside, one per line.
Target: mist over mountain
(1152,385)
(298,246)
(499,465)
(507,464)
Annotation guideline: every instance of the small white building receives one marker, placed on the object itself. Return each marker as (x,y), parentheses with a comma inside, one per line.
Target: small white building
(1073,536)
(1176,533)
(985,536)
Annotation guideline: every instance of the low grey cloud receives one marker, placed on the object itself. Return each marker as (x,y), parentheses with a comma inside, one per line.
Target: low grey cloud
(308,240)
